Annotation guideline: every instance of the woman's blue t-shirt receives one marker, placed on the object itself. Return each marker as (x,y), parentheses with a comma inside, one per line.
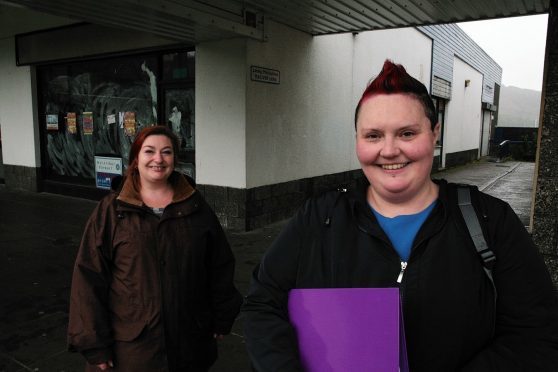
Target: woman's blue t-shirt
(402,230)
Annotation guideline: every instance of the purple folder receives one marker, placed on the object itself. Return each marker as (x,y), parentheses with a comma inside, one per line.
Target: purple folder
(349,329)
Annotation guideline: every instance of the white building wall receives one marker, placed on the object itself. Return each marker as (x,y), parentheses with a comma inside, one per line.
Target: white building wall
(299,128)
(304,126)
(405,46)
(463,122)
(220,135)
(20,135)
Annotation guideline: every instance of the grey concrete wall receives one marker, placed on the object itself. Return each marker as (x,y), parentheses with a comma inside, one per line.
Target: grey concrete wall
(19,177)
(248,209)
(545,211)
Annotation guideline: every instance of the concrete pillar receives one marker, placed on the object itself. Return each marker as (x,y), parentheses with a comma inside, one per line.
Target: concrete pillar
(221,113)
(18,117)
(545,210)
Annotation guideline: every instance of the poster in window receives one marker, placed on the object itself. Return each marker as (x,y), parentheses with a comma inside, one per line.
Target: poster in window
(52,122)
(106,168)
(130,123)
(71,123)
(87,123)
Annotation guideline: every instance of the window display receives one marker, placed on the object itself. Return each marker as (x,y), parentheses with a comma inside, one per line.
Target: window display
(95,108)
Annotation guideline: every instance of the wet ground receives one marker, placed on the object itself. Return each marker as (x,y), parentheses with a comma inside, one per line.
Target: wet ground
(40,233)
(510,181)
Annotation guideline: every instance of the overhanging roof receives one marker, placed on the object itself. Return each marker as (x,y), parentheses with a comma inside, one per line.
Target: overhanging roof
(333,16)
(194,21)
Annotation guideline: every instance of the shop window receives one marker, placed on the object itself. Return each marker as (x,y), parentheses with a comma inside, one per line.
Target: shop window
(178,66)
(179,114)
(177,90)
(96,107)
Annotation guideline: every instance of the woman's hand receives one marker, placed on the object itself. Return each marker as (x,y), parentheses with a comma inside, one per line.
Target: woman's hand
(105,366)
(218,337)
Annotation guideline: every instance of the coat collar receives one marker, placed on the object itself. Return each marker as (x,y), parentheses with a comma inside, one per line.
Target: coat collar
(358,194)
(181,188)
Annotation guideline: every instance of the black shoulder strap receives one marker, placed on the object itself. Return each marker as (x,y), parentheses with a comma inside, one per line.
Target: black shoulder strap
(472,222)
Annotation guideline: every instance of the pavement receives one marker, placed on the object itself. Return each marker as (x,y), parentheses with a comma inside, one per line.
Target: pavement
(40,234)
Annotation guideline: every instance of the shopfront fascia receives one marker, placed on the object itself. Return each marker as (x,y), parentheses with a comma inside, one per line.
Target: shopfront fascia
(89,110)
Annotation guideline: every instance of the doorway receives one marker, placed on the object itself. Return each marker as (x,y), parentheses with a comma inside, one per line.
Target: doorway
(440,104)
(485,132)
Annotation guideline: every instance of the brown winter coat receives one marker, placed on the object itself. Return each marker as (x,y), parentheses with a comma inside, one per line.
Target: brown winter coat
(150,292)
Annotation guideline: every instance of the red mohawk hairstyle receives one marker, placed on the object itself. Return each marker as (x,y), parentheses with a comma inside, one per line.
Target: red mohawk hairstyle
(394,79)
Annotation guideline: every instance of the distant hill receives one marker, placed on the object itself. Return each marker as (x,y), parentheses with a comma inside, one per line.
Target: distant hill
(518,107)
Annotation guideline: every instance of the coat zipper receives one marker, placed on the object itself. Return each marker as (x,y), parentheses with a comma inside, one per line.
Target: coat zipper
(403,267)
(400,282)
(403,263)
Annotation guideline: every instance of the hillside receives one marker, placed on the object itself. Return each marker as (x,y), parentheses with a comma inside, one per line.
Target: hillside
(518,107)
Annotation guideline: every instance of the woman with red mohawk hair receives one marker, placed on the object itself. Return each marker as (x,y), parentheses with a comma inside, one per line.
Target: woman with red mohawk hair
(400,228)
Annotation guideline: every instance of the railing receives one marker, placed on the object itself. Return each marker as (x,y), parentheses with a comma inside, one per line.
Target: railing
(519,150)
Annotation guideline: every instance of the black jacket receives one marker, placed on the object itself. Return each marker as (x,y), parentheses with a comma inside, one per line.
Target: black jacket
(451,320)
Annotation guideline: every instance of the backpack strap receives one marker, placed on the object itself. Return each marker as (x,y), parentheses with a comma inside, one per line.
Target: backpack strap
(471,220)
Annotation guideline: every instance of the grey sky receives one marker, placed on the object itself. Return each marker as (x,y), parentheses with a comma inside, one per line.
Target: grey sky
(516,44)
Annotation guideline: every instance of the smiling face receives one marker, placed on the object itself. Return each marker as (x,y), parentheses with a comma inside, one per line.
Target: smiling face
(155,159)
(395,146)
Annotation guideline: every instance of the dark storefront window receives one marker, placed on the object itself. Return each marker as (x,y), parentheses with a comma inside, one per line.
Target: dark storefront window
(95,108)
(179,108)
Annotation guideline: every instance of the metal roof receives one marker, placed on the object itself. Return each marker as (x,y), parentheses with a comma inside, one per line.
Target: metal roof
(332,16)
(199,20)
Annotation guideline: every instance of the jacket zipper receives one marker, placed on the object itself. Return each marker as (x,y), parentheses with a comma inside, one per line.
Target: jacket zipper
(403,267)
(403,263)
(400,282)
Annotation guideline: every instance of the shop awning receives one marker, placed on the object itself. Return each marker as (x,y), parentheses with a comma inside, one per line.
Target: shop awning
(194,21)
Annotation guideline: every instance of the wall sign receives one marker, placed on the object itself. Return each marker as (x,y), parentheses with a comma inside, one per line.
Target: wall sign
(106,168)
(265,75)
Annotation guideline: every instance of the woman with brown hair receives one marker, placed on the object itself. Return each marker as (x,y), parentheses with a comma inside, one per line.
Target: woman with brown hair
(152,287)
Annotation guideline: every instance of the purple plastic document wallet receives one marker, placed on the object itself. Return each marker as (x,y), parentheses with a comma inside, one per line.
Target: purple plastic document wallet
(349,329)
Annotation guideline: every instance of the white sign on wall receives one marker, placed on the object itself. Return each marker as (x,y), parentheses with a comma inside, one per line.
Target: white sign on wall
(106,168)
(265,75)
